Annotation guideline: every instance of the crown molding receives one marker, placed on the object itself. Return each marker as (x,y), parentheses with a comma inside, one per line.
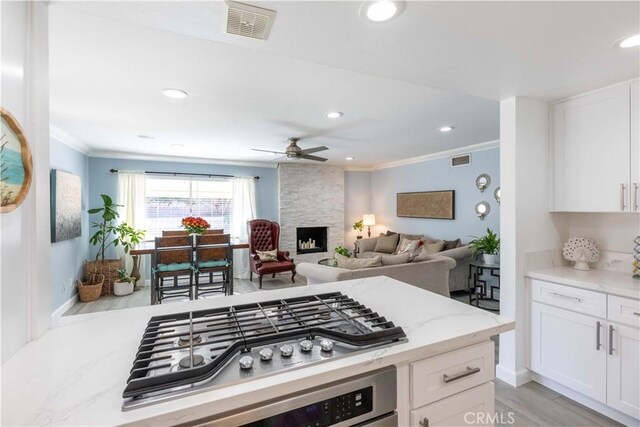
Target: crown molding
(468,149)
(178,159)
(68,140)
(358,169)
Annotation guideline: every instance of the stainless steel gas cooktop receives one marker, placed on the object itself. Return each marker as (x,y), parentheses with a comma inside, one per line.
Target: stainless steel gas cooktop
(195,351)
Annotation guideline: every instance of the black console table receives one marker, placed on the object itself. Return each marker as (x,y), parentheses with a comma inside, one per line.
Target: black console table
(479,288)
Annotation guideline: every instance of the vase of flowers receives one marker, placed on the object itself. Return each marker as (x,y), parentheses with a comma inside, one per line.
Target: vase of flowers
(195,224)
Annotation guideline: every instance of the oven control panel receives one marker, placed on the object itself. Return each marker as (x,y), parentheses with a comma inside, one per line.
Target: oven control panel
(325,413)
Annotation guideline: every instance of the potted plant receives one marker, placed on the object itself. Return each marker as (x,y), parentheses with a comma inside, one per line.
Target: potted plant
(109,234)
(123,284)
(342,251)
(487,245)
(358,226)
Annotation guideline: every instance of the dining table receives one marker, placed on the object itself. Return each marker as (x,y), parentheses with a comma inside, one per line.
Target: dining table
(148,247)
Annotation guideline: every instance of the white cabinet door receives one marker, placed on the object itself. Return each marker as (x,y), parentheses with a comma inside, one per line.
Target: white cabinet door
(623,365)
(569,348)
(635,146)
(591,151)
(473,407)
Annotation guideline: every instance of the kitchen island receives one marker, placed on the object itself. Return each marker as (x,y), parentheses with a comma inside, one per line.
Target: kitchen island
(75,373)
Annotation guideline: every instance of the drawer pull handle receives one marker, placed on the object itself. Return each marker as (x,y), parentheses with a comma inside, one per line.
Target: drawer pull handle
(424,422)
(555,294)
(469,371)
(635,313)
(611,340)
(598,344)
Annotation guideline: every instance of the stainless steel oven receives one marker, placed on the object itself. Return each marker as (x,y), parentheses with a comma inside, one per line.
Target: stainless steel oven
(365,400)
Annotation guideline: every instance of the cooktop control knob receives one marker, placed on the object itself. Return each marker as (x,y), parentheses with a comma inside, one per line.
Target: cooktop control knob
(306,345)
(266,354)
(246,362)
(326,345)
(286,350)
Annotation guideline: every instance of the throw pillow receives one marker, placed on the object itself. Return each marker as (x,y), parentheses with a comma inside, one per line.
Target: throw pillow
(422,256)
(451,244)
(396,259)
(386,244)
(407,237)
(389,232)
(433,248)
(356,263)
(412,247)
(268,256)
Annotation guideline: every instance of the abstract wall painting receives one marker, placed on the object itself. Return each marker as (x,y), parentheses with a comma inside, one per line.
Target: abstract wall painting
(66,206)
(16,164)
(426,204)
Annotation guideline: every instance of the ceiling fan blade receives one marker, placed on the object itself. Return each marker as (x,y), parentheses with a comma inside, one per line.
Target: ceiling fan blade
(314,150)
(316,158)
(268,151)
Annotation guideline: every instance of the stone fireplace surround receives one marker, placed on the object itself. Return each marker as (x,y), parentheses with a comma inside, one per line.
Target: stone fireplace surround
(310,195)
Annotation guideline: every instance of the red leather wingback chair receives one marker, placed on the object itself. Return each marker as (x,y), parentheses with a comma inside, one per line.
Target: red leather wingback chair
(264,235)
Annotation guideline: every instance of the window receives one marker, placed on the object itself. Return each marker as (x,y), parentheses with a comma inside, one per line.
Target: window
(168,200)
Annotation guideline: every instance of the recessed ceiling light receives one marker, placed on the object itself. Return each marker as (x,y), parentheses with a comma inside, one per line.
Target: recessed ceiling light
(445,129)
(348,158)
(177,145)
(632,41)
(380,11)
(334,114)
(174,93)
(145,136)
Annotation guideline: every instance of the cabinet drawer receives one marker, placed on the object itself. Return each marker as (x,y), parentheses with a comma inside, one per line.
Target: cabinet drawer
(441,376)
(473,407)
(574,299)
(624,310)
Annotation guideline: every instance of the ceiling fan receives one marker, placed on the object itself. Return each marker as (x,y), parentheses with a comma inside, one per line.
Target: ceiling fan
(295,152)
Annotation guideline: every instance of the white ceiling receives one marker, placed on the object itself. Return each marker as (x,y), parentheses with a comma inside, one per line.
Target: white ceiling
(110,60)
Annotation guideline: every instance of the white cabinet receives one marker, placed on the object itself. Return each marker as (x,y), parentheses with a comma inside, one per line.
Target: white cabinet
(595,352)
(596,159)
(569,348)
(623,369)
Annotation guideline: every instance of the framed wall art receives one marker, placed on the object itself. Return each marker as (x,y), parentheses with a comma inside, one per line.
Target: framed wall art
(16,164)
(66,206)
(426,204)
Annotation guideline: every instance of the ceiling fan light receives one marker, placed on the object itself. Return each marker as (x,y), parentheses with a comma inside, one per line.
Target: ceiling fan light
(632,41)
(174,93)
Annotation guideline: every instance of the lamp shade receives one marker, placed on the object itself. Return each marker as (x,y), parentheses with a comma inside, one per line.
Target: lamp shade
(369,219)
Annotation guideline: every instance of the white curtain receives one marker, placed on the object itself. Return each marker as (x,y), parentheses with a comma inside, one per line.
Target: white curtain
(244,209)
(131,194)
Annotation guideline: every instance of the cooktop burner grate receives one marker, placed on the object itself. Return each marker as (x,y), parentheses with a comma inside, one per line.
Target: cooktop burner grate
(183,349)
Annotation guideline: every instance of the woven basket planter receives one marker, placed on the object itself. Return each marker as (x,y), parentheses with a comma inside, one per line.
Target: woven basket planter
(108,268)
(90,290)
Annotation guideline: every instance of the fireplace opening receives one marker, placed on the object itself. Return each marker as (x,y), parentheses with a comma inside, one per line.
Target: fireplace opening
(311,239)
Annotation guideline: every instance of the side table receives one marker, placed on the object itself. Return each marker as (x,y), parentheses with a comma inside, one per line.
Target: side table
(479,289)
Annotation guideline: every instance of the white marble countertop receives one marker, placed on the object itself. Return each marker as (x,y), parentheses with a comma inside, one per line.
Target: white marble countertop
(601,280)
(75,374)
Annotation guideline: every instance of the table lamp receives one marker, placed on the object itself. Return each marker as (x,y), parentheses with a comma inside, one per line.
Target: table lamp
(369,220)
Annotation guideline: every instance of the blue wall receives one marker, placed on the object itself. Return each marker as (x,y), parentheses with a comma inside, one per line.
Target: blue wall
(101,181)
(434,175)
(67,256)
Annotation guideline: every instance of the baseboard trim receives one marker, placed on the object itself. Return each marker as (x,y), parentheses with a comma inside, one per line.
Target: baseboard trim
(584,400)
(511,377)
(57,314)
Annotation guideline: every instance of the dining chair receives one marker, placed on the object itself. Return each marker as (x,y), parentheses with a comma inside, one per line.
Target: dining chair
(173,270)
(213,264)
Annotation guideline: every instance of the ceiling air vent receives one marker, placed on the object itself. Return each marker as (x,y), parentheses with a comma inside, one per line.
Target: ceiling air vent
(461,160)
(249,21)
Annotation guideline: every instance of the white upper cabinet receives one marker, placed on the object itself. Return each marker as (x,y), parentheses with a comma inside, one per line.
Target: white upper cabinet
(596,159)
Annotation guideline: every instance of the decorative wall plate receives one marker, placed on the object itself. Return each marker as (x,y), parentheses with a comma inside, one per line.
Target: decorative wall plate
(16,164)
(582,251)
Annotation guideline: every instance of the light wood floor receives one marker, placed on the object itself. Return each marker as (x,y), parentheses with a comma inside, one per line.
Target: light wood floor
(142,297)
(531,404)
